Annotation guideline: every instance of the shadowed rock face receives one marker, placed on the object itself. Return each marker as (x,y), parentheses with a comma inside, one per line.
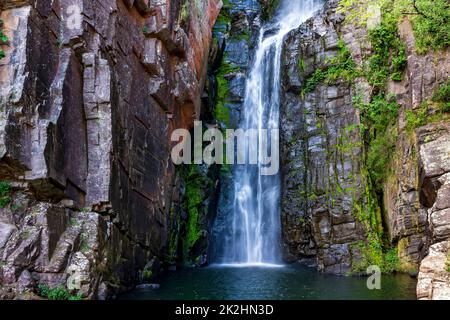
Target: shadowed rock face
(88,103)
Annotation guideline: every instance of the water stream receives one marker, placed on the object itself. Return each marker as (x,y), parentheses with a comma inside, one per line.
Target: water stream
(247,260)
(255,218)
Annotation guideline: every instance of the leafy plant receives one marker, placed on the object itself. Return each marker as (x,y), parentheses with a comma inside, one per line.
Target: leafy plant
(57,293)
(378,118)
(389,56)
(84,246)
(5,193)
(268,8)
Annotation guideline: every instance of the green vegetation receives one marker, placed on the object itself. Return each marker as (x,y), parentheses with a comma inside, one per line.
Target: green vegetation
(447,264)
(416,119)
(57,293)
(429,18)
(24,235)
(372,253)
(3,40)
(184,12)
(427,113)
(73,222)
(5,193)
(84,245)
(147,275)
(269,8)
(379,115)
(194,196)
(442,97)
(222,113)
(340,67)
(379,130)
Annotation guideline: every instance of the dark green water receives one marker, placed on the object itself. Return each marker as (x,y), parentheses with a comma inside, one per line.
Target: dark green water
(285,283)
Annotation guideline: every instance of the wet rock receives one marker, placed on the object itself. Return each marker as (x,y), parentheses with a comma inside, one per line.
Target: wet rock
(313,128)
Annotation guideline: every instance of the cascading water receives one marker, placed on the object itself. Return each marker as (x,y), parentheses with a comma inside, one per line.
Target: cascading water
(254,237)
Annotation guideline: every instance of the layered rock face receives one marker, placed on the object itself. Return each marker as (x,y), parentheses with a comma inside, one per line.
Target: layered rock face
(90,93)
(323,158)
(417,198)
(321,152)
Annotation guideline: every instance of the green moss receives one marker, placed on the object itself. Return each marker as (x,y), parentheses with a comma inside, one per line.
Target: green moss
(375,250)
(388,59)
(57,293)
(5,193)
(269,8)
(172,249)
(224,18)
(416,119)
(184,12)
(425,114)
(391,261)
(431,25)
(429,18)
(447,264)
(147,275)
(73,222)
(194,196)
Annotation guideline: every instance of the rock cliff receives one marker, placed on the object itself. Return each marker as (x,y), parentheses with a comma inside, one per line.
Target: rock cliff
(336,212)
(90,93)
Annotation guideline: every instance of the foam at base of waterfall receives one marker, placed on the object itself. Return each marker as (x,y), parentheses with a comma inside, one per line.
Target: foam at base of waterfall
(247,265)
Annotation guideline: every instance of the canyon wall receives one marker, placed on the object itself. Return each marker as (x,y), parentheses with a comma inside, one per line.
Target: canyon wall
(326,185)
(90,93)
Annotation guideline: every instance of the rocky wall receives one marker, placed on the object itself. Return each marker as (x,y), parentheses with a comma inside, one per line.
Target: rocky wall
(90,93)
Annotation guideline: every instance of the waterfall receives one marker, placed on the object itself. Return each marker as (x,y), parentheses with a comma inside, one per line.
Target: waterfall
(254,238)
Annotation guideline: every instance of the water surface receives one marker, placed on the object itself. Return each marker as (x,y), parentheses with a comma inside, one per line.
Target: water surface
(277,283)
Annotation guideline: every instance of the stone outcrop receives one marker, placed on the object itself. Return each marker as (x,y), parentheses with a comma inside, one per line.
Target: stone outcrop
(90,93)
(420,157)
